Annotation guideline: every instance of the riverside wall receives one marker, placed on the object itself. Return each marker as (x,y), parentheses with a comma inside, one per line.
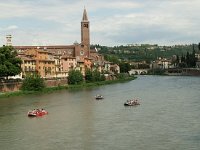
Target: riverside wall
(12,85)
(183,72)
(15,85)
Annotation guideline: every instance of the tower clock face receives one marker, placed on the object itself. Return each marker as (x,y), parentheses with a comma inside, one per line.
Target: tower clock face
(81,52)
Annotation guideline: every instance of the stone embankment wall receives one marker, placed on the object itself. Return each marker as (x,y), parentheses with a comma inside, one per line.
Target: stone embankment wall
(12,86)
(184,72)
(15,85)
(56,82)
(191,72)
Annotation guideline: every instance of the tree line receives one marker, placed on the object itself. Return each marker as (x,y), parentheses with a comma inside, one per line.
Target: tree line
(189,60)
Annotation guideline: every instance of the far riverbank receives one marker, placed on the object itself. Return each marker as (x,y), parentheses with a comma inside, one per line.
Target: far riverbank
(56,88)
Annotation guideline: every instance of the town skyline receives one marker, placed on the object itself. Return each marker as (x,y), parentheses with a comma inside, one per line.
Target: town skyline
(57,22)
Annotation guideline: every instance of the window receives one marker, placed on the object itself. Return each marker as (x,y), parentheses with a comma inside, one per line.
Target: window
(85,25)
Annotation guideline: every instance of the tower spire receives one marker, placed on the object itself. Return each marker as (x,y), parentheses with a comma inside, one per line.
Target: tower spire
(85,18)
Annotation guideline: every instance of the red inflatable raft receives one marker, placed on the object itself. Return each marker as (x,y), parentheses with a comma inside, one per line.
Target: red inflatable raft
(37,112)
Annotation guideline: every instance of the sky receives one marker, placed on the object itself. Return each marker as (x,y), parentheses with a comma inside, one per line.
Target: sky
(112,22)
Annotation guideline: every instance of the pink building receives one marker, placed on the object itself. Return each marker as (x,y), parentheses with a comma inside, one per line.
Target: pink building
(68,63)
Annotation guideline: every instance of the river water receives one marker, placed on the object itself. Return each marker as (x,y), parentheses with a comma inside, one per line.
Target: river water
(167,119)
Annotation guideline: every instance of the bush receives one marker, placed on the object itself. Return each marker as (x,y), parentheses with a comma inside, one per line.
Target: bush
(93,76)
(96,75)
(122,75)
(103,78)
(75,77)
(33,83)
(88,75)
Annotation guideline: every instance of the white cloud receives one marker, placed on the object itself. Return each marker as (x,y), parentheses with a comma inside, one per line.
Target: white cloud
(12,27)
(9,28)
(112,22)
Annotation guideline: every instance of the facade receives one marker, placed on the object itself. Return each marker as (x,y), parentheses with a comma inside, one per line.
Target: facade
(28,65)
(45,63)
(115,68)
(161,64)
(88,63)
(67,64)
(107,66)
(57,59)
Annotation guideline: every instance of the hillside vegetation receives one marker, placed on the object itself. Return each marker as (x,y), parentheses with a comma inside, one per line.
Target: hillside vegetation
(144,52)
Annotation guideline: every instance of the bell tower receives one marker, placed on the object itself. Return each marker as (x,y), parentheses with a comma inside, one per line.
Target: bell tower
(85,34)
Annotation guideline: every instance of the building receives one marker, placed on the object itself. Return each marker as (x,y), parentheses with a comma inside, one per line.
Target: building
(8,40)
(67,64)
(115,68)
(28,65)
(57,60)
(45,63)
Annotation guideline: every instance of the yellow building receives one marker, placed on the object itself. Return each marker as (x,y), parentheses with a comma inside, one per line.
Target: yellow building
(45,63)
(88,63)
(28,65)
(81,66)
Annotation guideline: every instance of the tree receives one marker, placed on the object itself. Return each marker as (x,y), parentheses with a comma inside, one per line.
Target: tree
(193,59)
(199,46)
(96,75)
(187,59)
(112,58)
(183,59)
(88,75)
(190,59)
(177,60)
(124,67)
(75,77)
(93,76)
(33,83)
(193,47)
(10,65)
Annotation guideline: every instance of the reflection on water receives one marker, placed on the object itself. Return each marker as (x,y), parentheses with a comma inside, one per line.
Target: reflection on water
(168,117)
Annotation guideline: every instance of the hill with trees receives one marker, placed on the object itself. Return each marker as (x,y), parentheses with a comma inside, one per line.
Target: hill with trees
(143,52)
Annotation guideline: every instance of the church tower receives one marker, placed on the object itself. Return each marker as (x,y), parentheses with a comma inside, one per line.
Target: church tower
(85,34)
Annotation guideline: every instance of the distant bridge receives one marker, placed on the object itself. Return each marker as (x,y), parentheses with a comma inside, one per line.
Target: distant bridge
(138,71)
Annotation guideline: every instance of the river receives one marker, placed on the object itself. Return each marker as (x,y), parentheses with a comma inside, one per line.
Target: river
(167,119)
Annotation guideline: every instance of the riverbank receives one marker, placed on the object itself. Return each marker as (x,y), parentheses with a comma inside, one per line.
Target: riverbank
(56,88)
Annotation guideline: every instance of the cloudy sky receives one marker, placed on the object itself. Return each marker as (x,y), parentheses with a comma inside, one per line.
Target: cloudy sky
(112,22)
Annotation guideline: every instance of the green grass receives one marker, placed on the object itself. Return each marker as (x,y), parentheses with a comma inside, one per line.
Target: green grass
(52,89)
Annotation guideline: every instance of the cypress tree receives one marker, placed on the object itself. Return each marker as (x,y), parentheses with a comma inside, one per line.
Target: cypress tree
(199,46)
(187,59)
